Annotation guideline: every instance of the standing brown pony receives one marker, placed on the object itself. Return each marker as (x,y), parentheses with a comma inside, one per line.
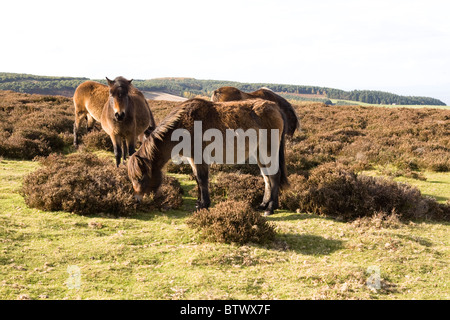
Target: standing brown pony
(234,94)
(126,116)
(145,166)
(89,100)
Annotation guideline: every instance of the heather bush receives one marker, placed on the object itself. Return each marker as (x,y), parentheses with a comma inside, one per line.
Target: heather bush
(334,190)
(290,198)
(97,140)
(232,222)
(33,125)
(85,184)
(237,187)
(169,195)
(178,168)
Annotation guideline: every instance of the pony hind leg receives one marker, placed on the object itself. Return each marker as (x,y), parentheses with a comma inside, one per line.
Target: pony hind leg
(202,180)
(267,192)
(90,122)
(274,192)
(79,115)
(271,192)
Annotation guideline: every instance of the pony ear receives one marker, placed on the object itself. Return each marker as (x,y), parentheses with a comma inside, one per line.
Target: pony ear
(110,82)
(129,81)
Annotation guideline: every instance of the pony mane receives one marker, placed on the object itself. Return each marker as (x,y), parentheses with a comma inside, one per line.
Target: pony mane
(168,124)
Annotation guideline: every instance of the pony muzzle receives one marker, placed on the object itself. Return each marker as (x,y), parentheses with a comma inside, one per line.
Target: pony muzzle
(119,116)
(138,197)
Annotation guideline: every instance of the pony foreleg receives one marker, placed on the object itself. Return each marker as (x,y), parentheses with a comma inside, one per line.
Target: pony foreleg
(117,143)
(125,150)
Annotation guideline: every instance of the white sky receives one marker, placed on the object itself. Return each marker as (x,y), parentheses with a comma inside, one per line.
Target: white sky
(399,46)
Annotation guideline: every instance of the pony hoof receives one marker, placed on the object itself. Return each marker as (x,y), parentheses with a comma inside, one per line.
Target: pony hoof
(267,213)
(262,206)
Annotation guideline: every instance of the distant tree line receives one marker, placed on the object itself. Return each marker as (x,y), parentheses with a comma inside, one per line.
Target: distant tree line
(27,83)
(190,87)
(380,97)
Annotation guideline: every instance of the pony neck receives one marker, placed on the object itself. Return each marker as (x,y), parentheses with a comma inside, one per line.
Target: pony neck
(161,151)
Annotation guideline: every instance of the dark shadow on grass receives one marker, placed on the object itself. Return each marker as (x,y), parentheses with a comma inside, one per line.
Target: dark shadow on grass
(296,216)
(308,244)
(422,241)
(438,198)
(180,213)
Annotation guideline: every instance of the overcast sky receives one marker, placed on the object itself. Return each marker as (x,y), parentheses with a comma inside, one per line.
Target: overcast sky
(399,46)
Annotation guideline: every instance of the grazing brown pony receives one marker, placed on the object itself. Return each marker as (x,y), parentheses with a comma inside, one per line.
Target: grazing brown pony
(89,100)
(234,94)
(145,166)
(126,116)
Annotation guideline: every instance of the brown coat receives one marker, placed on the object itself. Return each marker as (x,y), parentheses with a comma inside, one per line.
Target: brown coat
(145,166)
(233,94)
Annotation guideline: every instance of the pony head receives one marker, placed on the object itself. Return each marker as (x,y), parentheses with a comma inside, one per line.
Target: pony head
(226,94)
(118,96)
(144,179)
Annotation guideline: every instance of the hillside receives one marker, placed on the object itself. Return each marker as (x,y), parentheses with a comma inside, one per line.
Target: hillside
(154,95)
(190,87)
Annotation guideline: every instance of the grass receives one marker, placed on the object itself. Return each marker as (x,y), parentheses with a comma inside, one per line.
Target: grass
(157,256)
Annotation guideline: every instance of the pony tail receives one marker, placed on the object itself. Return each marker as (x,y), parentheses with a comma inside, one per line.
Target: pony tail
(291,120)
(284,181)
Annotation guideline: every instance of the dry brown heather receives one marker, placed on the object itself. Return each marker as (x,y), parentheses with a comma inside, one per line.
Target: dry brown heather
(409,139)
(34,125)
(232,222)
(86,184)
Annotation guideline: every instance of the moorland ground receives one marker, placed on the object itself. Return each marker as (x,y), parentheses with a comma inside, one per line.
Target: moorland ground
(157,255)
